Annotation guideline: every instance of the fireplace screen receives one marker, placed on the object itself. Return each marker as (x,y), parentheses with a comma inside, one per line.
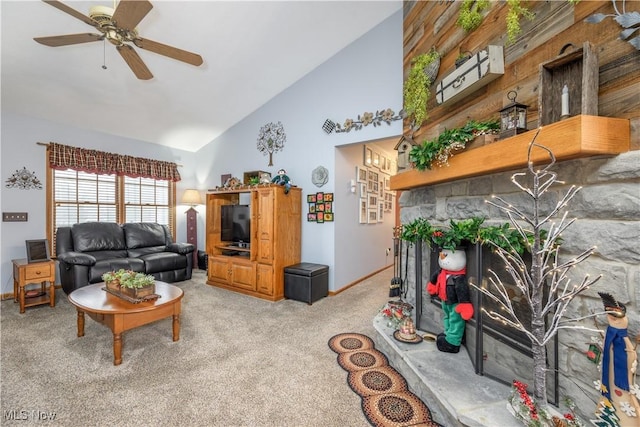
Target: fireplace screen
(496,350)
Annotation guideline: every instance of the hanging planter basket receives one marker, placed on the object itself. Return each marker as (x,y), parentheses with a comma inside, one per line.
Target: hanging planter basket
(432,69)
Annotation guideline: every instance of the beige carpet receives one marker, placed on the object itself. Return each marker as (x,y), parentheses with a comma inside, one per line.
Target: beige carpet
(240,361)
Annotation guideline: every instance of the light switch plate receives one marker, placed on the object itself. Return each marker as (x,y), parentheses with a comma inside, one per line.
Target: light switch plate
(14,216)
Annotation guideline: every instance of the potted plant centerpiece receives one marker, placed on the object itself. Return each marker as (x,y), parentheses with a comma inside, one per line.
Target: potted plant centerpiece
(129,283)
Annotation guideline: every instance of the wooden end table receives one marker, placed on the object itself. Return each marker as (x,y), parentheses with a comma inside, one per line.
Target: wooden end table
(25,273)
(120,315)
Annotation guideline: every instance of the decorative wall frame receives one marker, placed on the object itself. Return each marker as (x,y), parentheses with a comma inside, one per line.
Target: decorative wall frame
(373,215)
(361,174)
(367,156)
(320,207)
(364,212)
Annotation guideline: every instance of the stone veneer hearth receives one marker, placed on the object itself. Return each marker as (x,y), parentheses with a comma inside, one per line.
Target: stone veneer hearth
(607,211)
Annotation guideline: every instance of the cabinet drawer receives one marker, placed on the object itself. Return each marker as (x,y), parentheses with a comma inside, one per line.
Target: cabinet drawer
(39,271)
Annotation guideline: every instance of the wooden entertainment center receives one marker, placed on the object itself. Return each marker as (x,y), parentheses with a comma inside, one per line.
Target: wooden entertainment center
(275,240)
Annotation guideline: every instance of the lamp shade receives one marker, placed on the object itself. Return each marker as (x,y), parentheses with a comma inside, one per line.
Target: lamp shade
(191,197)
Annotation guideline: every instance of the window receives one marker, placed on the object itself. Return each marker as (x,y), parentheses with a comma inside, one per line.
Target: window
(82,197)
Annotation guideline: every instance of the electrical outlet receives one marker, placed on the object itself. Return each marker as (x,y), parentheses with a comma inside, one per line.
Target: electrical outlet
(14,216)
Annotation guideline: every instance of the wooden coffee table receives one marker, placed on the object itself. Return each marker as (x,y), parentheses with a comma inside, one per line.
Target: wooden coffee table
(120,315)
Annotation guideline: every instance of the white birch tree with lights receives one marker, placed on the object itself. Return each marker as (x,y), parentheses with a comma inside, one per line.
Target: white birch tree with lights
(546,285)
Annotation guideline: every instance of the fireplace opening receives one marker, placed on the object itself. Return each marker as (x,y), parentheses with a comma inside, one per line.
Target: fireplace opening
(496,350)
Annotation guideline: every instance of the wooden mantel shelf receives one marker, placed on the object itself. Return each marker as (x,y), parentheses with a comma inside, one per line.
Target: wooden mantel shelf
(578,136)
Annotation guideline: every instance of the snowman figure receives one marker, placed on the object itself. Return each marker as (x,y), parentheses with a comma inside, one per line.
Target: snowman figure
(449,283)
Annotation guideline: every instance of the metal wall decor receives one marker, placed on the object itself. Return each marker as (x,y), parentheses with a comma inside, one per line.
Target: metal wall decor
(320,176)
(382,116)
(24,180)
(271,139)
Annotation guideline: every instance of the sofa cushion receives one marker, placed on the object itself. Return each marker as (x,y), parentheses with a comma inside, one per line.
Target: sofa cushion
(163,261)
(97,236)
(103,266)
(144,234)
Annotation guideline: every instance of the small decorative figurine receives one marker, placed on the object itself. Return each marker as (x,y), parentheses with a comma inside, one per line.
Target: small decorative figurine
(619,401)
(449,283)
(282,179)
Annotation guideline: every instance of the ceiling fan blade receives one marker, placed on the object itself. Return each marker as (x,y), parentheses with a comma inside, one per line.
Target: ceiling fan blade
(170,51)
(134,61)
(67,39)
(66,9)
(129,13)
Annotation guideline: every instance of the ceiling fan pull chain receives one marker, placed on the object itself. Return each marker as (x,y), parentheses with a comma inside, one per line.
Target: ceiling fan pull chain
(104,54)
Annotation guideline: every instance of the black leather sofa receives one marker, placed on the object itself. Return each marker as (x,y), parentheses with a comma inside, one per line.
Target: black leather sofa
(87,250)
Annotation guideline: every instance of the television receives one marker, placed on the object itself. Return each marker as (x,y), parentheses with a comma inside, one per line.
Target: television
(235,221)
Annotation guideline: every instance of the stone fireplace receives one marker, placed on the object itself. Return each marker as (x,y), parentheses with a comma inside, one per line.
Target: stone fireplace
(495,350)
(606,209)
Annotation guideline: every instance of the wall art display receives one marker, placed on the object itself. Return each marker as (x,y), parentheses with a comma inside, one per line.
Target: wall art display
(368,156)
(361,174)
(386,115)
(363,190)
(364,212)
(24,180)
(271,139)
(320,176)
(320,207)
(373,215)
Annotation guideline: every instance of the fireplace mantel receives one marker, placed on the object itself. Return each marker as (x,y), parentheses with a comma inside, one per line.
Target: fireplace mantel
(578,136)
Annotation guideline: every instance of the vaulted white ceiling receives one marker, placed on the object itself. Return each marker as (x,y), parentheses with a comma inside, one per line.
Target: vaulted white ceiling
(252,51)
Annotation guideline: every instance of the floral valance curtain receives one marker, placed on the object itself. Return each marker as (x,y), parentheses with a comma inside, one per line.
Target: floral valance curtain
(100,162)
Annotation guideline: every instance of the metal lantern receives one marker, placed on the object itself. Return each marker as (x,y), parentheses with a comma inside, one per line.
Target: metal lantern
(513,117)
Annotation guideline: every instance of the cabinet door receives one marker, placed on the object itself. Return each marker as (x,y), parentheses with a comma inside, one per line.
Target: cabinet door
(265,279)
(244,275)
(219,269)
(265,226)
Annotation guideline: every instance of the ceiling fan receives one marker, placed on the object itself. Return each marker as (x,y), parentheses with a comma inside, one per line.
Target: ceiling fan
(118,26)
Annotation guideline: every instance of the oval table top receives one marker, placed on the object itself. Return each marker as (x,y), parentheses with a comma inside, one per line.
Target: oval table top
(94,299)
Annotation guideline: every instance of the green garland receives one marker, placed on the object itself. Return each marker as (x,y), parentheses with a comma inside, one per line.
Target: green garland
(437,151)
(468,231)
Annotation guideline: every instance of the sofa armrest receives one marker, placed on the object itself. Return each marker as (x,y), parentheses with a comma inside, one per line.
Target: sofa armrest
(77,258)
(181,248)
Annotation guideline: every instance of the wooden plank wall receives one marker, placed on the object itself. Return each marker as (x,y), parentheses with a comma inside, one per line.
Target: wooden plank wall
(430,24)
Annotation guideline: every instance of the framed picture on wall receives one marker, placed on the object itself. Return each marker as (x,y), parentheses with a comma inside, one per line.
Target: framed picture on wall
(368,156)
(363,211)
(361,174)
(363,189)
(373,215)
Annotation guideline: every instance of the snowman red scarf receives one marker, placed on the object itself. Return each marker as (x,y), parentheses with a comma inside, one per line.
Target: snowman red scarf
(441,281)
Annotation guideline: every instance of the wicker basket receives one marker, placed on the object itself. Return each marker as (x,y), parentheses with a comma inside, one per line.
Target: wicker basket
(432,69)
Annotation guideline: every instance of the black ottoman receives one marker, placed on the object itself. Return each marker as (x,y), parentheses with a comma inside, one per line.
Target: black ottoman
(306,282)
